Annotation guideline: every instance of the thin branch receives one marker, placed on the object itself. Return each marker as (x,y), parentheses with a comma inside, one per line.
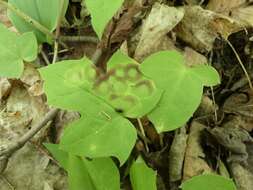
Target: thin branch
(7,152)
(96,56)
(27,18)
(90,39)
(143,133)
(241,64)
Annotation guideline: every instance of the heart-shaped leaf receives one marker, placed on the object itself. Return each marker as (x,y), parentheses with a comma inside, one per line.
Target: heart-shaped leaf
(101,13)
(14,50)
(99,138)
(182,85)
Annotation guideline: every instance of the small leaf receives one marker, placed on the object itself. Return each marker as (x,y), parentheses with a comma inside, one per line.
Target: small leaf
(46,12)
(97,138)
(183,88)
(101,13)
(87,174)
(142,177)
(208,182)
(14,49)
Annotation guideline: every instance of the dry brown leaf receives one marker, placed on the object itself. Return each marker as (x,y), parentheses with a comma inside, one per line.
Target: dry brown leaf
(224,6)
(32,80)
(193,58)
(161,20)
(194,163)
(5,87)
(201,27)
(244,15)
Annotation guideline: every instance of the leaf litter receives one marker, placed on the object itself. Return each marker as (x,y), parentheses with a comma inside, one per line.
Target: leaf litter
(217,139)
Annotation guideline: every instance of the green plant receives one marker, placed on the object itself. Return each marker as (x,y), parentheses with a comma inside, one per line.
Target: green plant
(162,87)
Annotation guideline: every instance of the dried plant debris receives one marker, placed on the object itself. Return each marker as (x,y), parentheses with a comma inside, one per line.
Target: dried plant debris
(161,20)
(201,27)
(195,163)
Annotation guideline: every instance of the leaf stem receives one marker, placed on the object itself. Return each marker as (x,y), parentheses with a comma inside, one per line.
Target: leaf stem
(143,133)
(241,64)
(27,18)
(58,30)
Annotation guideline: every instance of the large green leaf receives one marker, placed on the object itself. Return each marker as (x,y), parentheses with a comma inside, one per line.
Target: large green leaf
(46,12)
(14,49)
(142,177)
(208,182)
(94,174)
(98,138)
(182,85)
(101,13)
(101,131)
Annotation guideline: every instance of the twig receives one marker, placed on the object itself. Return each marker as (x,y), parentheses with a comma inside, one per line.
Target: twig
(212,92)
(96,56)
(143,134)
(7,152)
(8,183)
(57,32)
(90,39)
(44,56)
(241,64)
(27,18)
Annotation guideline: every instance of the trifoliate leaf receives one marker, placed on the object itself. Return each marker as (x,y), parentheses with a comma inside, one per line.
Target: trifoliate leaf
(46,12)
(182,85)
(142,177)
(14,49)
(102,12)
(208,182)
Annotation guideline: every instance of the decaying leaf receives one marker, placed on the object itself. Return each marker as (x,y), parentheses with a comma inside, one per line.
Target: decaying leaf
(160,21)
(201,27)
(32,80)
(194,163)
(224,6)
(244,15)
(5,87)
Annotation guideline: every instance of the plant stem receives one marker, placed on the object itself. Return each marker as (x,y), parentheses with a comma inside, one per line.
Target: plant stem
(27,18)
(241,64)
(143,133)
(90,39)
(58,30)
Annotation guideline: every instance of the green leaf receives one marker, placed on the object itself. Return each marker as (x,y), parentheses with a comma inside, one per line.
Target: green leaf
(126,89)
(98,138)
(142,177)
(101,13)
(182,85)
(208,182)
(14,49)
(46,12)
(100,126)
(119,58)
(87,174)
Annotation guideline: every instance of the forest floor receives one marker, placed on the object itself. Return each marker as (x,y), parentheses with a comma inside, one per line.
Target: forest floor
(218,137)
